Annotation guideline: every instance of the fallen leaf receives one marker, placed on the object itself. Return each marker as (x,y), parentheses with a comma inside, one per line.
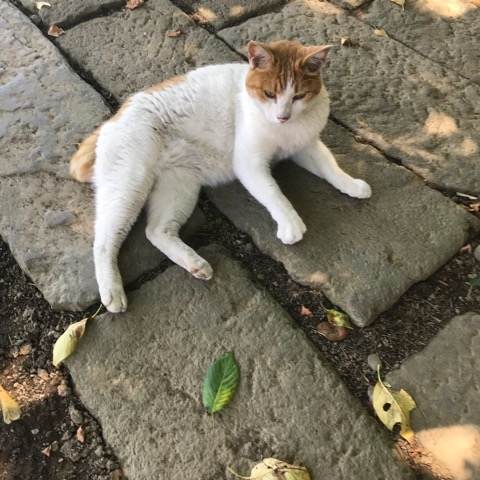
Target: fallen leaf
(133,4)
(40,5)
(332,332)
(47,451)
(346,42)
(380,32)
(10,408)
(305,312)
(117,474)
(474,207)
(393,407)
(475,281)
(220,383)
(174,33)
(338,318)
(67,342)
(374,361)
(400,3)
(25,349)
(80,434)
(55,31)
(466,248)
(273,469)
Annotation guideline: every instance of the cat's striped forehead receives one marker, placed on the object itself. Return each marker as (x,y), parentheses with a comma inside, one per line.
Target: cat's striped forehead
(278,66)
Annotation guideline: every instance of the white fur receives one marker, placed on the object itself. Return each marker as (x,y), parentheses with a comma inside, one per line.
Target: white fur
(206,130)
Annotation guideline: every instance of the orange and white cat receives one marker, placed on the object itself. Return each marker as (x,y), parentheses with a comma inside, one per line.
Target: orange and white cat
(213,125)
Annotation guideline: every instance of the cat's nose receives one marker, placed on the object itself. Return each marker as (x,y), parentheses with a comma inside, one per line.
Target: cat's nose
(283,118)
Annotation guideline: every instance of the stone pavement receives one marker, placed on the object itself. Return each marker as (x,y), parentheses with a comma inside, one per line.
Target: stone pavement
(142,373)
(405,116)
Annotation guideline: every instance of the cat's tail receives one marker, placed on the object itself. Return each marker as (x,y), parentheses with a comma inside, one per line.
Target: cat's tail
(81,164)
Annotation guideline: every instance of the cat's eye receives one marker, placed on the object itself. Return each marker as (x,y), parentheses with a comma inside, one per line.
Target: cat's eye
(299,96)
(269,94)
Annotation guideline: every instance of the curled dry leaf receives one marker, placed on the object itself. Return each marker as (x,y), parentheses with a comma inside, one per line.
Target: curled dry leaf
(305,312)
(174,33)
(466,248)
(393,407)
(47,451)
(400,3)
(380,32)
(10,408)
(67,342)
(332,332)
(273,469)
(338,318)
(55,31)
(346,42)
(133,4)
(40,5)
(80,434)
(474,207)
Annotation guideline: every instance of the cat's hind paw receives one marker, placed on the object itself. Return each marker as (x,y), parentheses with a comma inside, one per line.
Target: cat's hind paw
(201,270)
(359,189)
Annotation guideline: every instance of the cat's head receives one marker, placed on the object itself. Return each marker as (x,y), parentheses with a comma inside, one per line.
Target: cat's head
(284,77)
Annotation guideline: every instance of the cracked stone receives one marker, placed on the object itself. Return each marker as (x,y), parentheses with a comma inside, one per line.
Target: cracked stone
(140,374)
(68,12)
(221,14)
(444,380)
(408,106)
(121,70)
(363,254)
(46,109)
(447,32)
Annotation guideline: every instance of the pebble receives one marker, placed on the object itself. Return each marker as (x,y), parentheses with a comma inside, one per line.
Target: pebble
(43,374)
(99,451)
(476,253)
(75,415)
(63,390)
(59,217)
(374,361)
(35,431)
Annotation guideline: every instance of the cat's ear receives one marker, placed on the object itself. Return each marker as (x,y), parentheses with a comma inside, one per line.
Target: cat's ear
(259,56)
(315,58)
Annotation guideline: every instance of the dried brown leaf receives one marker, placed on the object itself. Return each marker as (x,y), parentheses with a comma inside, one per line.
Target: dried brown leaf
(133,4)
(117,474)
(332,332)
(400,3)
(10,408)
(305,312)
(80,434)
(346,42)
(466,248)
(174,33)
(55,31)
(46,451)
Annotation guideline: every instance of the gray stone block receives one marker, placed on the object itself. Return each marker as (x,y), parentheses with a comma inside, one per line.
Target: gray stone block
(221,14)
(447,32)
(444,380)
(408,106)
(136,49)
(140,374)
(363,254)
(45,217)
(68,12)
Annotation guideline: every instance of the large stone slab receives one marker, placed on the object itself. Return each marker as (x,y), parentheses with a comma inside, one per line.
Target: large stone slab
(45,217)
(447,32)
(221,14)
(444,379)
(140,374)
(68,12)
(410,107)
(363,254)
(136,49)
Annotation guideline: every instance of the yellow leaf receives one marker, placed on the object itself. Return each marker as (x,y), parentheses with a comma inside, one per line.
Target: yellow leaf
(380,32)
(400,3)
(10,408)
(273,469)
(393,407)
(67,341)
(40,5)
(339,319)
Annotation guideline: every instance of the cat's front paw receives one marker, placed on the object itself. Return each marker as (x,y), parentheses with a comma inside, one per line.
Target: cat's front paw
(291,231)
(114,298)
(358,189)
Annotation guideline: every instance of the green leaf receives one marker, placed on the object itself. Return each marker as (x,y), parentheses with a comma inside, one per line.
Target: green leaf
(475,282)
(339,319)
(220,383)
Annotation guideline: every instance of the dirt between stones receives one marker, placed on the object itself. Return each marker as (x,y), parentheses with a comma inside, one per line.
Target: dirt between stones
(44,443)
